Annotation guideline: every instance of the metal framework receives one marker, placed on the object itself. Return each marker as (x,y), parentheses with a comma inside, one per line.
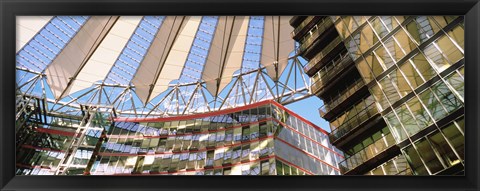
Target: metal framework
(282,80)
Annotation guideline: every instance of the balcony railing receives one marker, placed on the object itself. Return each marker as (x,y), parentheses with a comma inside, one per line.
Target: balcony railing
(341,96)
(297,20)
(302,25)
(367,153)
(307,40)
(352,123)
(339,63)
(396,166)
(320,55)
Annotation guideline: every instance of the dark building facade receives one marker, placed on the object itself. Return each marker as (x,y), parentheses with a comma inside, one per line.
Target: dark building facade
(393,90)
(263,138)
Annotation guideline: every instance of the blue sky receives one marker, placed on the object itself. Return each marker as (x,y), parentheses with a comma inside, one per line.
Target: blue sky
(308,108)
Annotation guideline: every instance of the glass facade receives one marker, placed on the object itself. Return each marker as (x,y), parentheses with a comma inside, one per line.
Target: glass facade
(259,139)
(414,70)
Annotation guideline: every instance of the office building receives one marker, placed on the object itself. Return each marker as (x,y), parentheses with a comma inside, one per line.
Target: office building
(264,138)
(393,90)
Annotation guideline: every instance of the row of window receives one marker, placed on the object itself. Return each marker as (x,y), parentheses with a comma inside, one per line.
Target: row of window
(423,110)
(318,150)
(208,133)
(306,161)
(368,152)
(190,160)
(270,166)
(396,166)
(439,150)
(354,116)
(128,144)
(224,153)
(431,60)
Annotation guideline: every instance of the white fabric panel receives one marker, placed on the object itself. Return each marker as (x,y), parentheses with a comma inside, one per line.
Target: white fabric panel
(226,52)
(157,54)
(100,63)
(75,54)
(235,52)
(277,44)
(177,57)
(213,65)
(27,27)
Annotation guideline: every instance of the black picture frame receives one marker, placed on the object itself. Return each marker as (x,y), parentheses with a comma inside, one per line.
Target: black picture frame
(9,9)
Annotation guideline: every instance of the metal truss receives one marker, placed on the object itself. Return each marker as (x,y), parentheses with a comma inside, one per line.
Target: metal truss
(179,99)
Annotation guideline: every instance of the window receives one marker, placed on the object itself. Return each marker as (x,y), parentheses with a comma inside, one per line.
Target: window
(455,137)
(368,39)
(342,30)
(449,50)
(350,22)
(394,49)
(279,167)
(389,89)
(411,74)
(443,149)
(395,125)
(401,82)
(415,162)
(379,28)
(446,97)
(434,54)
(432,104)
(353,46)
(405,41)
(374,63)
(457,82)
(429,156)
(458,35)
(384,56)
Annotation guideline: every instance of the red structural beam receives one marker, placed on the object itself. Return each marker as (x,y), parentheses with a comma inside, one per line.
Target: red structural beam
(215,113)
(55,132)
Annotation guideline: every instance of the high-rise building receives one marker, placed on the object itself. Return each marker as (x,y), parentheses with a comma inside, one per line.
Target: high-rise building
(392,87)
(263,138)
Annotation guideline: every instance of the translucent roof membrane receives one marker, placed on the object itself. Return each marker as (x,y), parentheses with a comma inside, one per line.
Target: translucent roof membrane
(253,47)
(44,47)
(198,53)
(127,63)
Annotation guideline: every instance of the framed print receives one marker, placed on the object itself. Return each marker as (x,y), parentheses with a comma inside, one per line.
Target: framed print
(154,95)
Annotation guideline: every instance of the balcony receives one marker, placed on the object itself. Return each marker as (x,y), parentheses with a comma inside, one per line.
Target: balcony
(354,122)
(314,64)
(368,153)
(297,20)
(304,27)
(327,73)
(307,40)
(340,98)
